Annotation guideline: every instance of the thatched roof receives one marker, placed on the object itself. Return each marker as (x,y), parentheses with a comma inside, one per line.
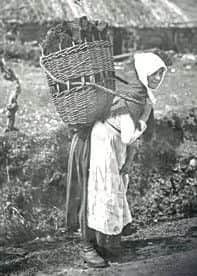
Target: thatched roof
(116,12)
(189,7)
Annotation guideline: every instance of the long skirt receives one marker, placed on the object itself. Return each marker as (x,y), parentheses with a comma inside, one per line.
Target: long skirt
(79,190)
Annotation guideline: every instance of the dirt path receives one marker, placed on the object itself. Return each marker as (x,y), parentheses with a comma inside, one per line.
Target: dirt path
(181,264)
(166,249)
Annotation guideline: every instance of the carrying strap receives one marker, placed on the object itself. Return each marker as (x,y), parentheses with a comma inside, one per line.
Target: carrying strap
(113,127)
(96,85)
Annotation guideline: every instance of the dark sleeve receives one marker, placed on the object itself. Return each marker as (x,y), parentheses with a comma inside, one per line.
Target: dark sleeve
(135,111)
(148,134)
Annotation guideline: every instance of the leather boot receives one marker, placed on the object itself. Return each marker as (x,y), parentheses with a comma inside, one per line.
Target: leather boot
(91,257)
(110,252)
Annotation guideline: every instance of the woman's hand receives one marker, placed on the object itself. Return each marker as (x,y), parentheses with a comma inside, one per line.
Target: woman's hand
(142,125)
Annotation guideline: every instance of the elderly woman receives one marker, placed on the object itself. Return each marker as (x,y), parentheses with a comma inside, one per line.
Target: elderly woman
(106,211)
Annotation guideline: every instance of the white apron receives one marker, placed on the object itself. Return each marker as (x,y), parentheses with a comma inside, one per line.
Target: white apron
(108,210)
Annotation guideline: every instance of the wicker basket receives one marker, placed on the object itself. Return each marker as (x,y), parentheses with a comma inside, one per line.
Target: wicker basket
(83,106)
(83,72)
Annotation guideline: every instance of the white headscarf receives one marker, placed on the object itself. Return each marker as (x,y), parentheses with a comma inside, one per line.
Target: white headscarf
(146,64)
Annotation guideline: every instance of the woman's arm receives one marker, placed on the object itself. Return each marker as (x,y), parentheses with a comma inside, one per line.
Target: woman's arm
(147,111)
(149,132)
(129,132)
(127,128)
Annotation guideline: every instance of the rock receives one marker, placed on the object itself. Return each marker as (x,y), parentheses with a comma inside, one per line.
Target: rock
(189,57)
(188,67)
(172,70)
(193,163)
(188,60)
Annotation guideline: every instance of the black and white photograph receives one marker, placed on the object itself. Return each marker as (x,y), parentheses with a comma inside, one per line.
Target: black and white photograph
(98,137)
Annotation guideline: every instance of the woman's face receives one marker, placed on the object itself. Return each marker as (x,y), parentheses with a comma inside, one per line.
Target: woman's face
(155,79)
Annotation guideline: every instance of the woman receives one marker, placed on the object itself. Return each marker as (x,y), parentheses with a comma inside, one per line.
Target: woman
(105,210)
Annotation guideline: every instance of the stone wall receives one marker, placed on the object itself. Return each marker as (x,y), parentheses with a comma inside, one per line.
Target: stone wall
(28,32)
(171,38)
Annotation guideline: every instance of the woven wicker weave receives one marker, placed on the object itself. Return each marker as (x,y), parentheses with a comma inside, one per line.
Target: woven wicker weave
(81,60)
(82,104)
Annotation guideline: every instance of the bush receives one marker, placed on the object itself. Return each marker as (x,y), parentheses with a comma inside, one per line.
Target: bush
(18,50)
(33,181)
(163,185)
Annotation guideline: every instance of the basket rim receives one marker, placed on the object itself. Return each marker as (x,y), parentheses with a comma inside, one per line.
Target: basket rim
(73,47)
